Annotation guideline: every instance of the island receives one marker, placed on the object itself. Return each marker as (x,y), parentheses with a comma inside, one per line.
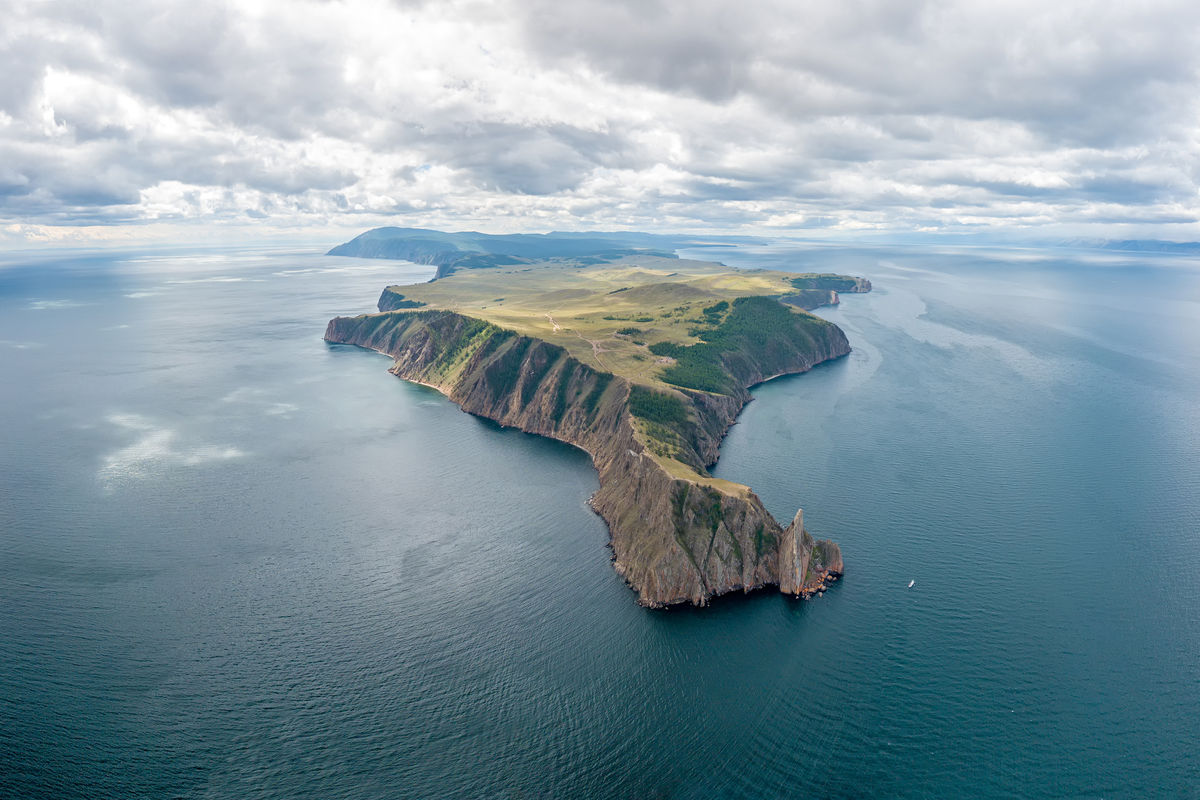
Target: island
(613,344)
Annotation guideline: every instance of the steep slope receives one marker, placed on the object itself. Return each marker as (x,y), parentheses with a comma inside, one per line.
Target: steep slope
(678,534)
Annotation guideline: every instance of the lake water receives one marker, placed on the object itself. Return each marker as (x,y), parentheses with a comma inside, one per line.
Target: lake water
(238,562)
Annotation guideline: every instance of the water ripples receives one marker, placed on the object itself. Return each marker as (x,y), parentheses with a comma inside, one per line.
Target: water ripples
(388,598)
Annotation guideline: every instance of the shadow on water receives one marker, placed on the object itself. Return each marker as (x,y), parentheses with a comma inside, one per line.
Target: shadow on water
(722,609)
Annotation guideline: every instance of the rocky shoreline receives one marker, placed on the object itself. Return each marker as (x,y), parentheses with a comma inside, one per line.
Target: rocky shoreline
(677,535)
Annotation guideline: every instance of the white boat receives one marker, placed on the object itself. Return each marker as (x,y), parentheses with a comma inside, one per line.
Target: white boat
(910,583)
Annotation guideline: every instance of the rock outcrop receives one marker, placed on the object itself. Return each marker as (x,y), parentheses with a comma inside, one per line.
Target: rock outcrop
(677,534)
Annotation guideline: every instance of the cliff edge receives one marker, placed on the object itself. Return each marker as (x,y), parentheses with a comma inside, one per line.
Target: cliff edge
(678,535)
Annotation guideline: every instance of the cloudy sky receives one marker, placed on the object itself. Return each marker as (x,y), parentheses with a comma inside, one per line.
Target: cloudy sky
(1036,118)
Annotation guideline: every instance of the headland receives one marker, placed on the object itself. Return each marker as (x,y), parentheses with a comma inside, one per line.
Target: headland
(641,359)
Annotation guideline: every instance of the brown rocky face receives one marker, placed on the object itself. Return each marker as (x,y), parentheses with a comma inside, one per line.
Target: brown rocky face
(675,540)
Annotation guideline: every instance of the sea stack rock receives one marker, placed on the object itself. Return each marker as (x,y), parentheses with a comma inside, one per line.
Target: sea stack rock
(793,556)
(830,556)
(678,534)
(805,566)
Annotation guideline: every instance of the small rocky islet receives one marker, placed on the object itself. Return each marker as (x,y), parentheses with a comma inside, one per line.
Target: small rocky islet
(641,359)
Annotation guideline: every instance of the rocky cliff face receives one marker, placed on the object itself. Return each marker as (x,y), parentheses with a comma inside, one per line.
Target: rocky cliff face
(678,535)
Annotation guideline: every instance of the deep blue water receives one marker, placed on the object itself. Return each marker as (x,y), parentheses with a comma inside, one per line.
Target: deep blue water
(238,562)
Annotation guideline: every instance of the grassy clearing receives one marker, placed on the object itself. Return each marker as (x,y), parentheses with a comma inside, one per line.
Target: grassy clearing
(681,471)
(598,307)
(660,323)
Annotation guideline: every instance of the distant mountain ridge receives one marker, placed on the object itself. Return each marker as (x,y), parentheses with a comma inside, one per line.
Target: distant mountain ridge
(450,252)
(1153,246)
(470,250)
(1134,245)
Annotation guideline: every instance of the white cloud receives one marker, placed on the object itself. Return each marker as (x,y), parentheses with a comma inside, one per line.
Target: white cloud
(600,113)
